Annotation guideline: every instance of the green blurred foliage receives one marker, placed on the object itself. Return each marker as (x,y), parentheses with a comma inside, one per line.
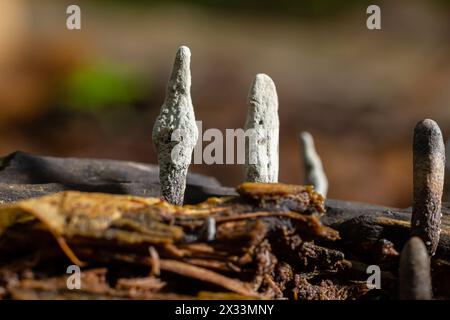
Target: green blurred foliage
(94,88)
(289,7)
(303,8)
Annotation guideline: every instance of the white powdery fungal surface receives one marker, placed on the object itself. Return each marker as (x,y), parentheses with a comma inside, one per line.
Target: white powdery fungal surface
(263,125)
(175,132)
(314,173)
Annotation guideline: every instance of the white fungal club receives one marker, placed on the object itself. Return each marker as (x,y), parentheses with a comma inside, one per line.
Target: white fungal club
(314,173)
(175,132)
(261,152)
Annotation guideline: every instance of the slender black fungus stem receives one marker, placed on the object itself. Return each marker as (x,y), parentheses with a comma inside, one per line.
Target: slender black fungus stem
(415,277)
(429,167)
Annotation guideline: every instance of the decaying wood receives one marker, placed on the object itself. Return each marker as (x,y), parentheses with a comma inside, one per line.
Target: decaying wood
(23,176)
(260,241)
(268,224)
(272,241)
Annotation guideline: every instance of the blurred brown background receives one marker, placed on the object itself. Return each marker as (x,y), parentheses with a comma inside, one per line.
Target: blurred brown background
(96,92)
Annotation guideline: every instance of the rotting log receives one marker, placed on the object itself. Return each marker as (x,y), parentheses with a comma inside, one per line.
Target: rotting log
(23,176)
(283,246)
(263,246)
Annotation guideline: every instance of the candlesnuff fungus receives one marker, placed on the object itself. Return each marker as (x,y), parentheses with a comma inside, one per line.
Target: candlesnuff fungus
(262,124)
(428,179)
(314,173)
(415,278)
(175,132)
